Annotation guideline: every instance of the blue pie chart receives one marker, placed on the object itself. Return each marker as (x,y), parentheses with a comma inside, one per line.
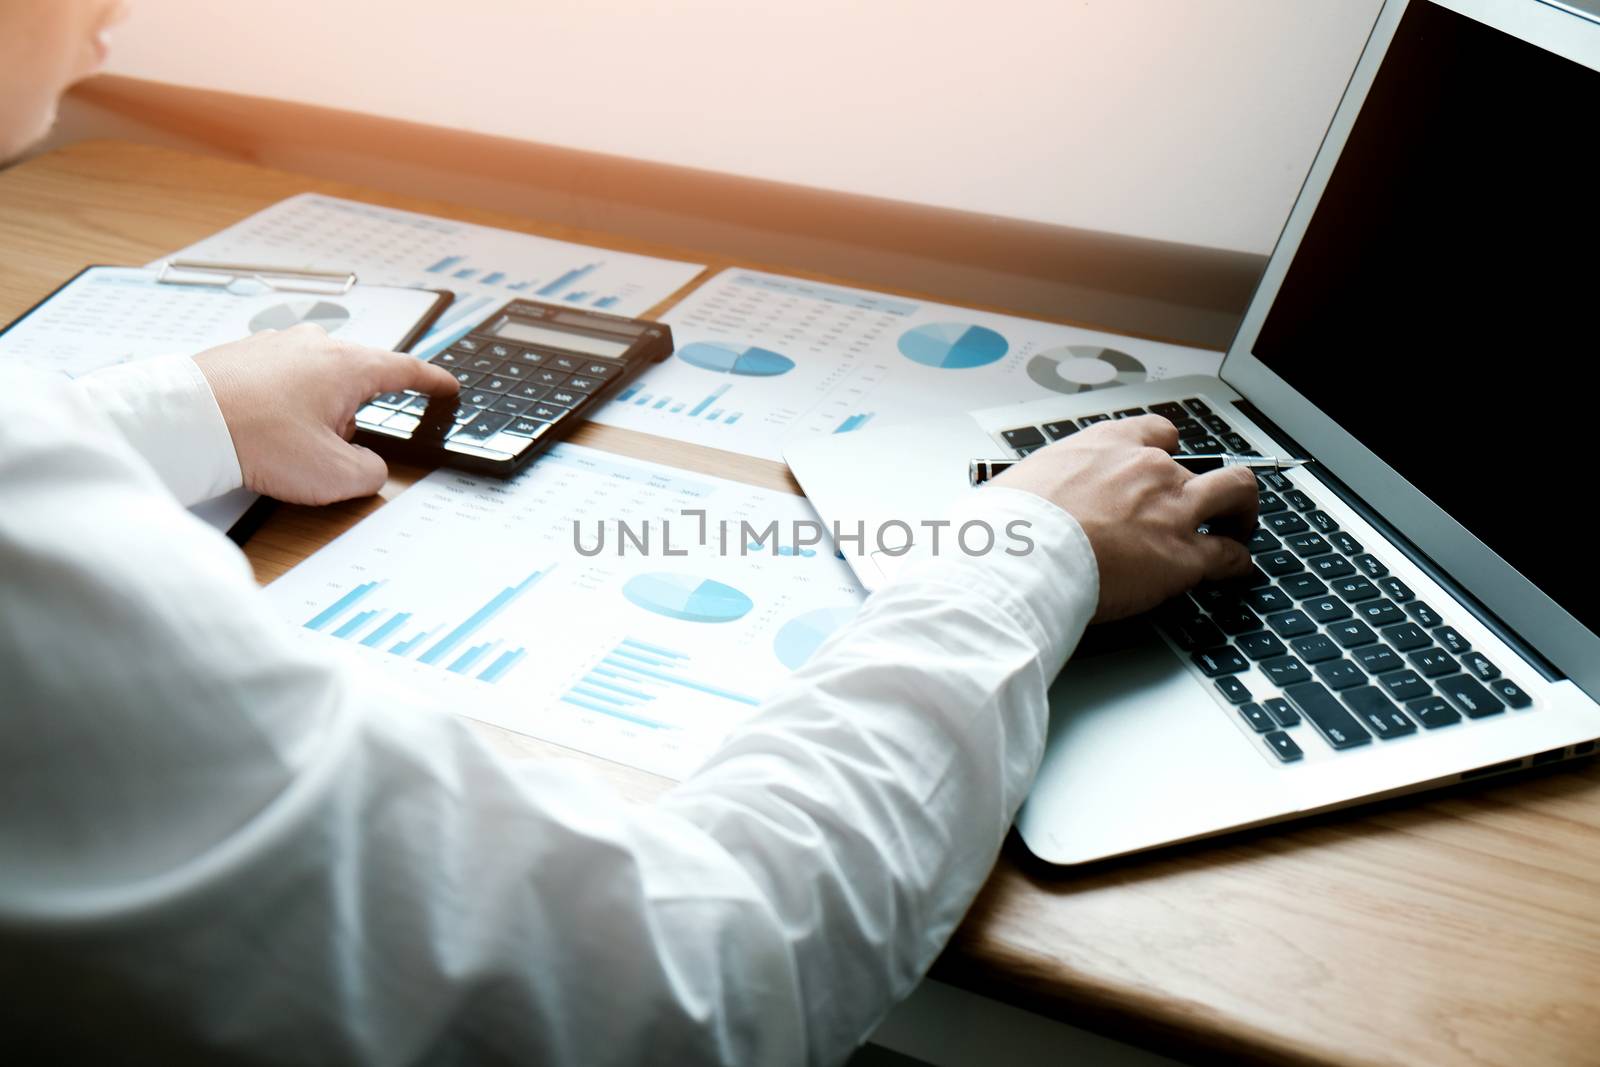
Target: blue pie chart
(803,635)
(953,345)
(729,359)
(687,597)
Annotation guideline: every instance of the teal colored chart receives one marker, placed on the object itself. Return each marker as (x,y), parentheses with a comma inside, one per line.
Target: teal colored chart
(725,359)
(803,635)
(953,345)
(687,597)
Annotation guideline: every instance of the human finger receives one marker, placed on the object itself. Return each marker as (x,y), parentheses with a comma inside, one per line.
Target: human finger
(1228,497)
(1221,557)
(391,372)
(1150,430)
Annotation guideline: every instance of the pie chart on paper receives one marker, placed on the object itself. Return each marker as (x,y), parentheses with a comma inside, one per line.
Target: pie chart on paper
(802,635)
(687,597)
(953,345)
(324,313)
(749,361)
(1082,368)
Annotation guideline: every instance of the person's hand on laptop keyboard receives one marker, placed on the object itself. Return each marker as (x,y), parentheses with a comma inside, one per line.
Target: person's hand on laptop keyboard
(1141,510)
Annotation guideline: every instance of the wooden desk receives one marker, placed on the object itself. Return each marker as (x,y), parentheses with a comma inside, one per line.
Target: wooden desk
(1464,929)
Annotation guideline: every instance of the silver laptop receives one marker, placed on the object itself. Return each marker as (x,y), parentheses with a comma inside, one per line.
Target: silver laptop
(1425,608)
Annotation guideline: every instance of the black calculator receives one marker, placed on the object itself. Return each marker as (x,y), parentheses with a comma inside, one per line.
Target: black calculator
(530,374)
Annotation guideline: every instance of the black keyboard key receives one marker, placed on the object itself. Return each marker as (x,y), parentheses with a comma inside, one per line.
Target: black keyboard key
(1169,410)
(1192,632)
(499,351)
(570,364)
(1425,616)
(1268,599)
(1371,566)
(1261,645)
(1433,712)
(1451,638)
(1326,608)
(1378,659)
(566,398)
(1284,671)
(1234,691)
(1301,586)
(1128,413)
(1478,665)
(1216,424)
(1378,713)
(1236,620)
(1340,674)
(1404,685)
(1268,502)
(1255,578)
(1284,523)
(1469,696)
(1511,693)
(1407,637)
(1432,662)
(1023,437)
(511,405)
(1057,430)
(1291,623)
(582,384)
(1308,544)
(1398,591)
(1283,746)
(1026,451)
(1331,567)
(1299,501)
(529,358)
(1380,613)
(1216,662)
(546,376)
(1257,717)
(1279,563)
(600,369)
(1347,544)
(513,370)
(482,364)
(478,398)
(1353,633)
(529,391)
(1274,480)
(1316,648)
(1261,541)
(1282,711)
(1323,522)
(1330,718)
(1188,428)
(1196,405)
(485,426)
(1238,445)
(1355,589)
(1204,445)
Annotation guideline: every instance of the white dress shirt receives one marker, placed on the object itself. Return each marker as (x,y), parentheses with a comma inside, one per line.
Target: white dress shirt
(217,839)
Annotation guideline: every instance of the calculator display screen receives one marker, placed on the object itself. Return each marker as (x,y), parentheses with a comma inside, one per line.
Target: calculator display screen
(533,333)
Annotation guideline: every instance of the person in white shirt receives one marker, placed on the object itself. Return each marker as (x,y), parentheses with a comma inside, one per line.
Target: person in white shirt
(219,842)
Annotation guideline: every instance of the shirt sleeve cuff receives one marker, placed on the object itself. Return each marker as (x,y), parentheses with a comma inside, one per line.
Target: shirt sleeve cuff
(1041,568)
(165,409)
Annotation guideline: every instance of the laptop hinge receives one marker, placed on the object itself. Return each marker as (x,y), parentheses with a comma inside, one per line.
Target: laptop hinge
(1406,546)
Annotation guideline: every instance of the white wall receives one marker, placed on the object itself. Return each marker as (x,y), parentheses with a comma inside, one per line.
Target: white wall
(1181,120)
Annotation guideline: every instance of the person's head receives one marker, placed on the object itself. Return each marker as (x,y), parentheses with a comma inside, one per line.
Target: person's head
(46,46)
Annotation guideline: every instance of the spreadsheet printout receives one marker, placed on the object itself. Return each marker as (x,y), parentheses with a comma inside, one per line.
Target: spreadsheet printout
(475,589)
(763,359)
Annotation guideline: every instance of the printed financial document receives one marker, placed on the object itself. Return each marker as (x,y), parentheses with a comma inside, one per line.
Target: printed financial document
(642,636)
(763,359)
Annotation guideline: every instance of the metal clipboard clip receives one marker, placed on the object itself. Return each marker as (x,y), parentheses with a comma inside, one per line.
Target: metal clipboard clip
(279,279)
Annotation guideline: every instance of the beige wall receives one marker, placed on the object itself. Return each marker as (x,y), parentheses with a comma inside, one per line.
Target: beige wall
(1190,121)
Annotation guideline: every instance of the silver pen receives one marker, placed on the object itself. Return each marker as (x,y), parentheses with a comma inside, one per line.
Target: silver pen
(981,470)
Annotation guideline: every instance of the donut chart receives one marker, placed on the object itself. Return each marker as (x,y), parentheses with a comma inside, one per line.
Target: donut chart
(1081,368)
(324,313)
(953,345)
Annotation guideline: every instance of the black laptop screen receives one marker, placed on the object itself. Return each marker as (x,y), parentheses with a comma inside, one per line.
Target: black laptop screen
(1444,305)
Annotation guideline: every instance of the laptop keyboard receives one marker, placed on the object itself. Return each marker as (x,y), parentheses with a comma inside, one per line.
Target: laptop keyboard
(1321,628)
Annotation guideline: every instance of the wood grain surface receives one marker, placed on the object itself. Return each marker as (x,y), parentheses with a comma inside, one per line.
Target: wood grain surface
(1460,929)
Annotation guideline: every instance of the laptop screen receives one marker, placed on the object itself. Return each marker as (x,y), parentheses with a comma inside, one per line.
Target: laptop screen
(1443,305)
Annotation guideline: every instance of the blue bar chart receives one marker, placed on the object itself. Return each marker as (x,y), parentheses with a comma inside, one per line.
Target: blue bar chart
(667,404)
(855,422)
(634,674)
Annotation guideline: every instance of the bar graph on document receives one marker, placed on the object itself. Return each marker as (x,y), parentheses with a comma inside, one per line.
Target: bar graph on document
(484,267)
(476,591)
(781,358)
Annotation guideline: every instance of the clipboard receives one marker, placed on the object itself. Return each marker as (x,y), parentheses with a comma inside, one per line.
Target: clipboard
(105,315)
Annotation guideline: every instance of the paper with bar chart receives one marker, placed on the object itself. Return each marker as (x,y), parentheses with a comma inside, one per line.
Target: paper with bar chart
(763,359)
(476,591)
(483,266)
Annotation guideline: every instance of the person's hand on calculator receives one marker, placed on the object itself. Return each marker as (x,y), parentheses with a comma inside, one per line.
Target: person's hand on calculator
(290,397)
(1141,510)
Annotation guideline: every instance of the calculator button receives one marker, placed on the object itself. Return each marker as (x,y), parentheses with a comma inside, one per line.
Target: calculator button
(467,344)
(499,351)
(546,412)
(450,358)
(529,391)
(529,358)
(511,444)
(570,364)
(511,405)
(482,364)
(483,427)
(496,384)
(468,378)
(600,369)
(512,369)
(479,399)
(526,427)
(582,384)
(566,398)
(390,400)
(548,377)
(416,405)
(374,415)
(401,421)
